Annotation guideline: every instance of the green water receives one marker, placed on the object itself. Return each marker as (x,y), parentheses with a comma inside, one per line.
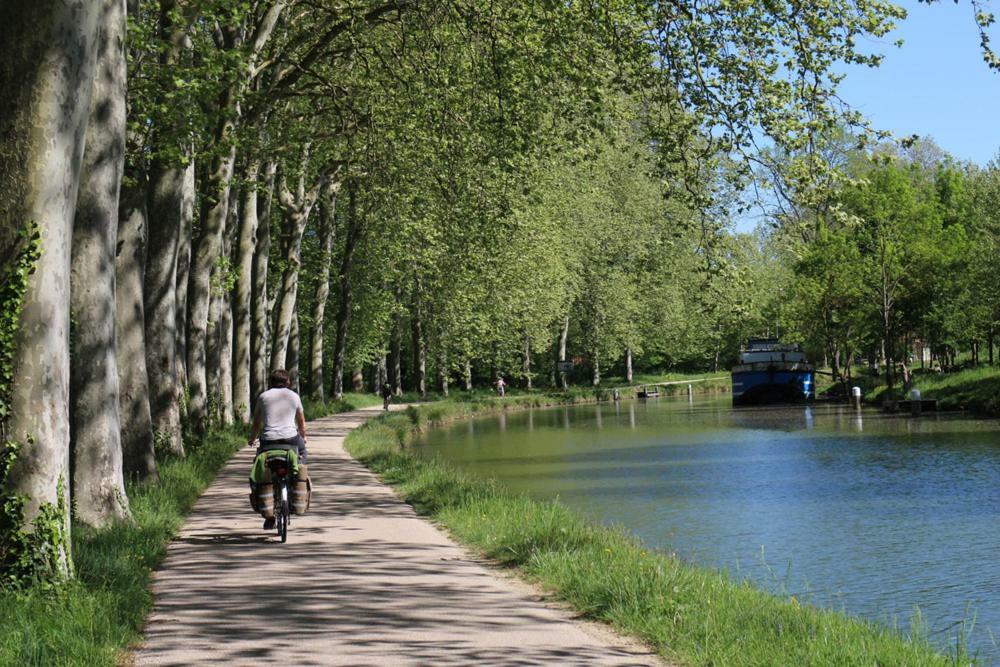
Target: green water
(873,514)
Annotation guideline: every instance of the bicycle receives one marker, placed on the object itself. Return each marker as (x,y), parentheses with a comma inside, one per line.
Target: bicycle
(280,479)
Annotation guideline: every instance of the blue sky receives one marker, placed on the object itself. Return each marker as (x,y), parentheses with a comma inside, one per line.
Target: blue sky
(936,84)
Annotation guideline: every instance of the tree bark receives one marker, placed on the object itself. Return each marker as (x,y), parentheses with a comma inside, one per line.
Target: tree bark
(396,354)
(243,293)
(166,203)
(98,482)
(226,322)
(381,375)
(442,373)
(467,375)
(293,353)
(628,365)
(298,209)
(419,354)
(353,233)
(563,336)
(46,77)
(206,252)
(327,234)
(596,369)
(358,380)
(138,452)
(526,363)
(181,278)
(260,303)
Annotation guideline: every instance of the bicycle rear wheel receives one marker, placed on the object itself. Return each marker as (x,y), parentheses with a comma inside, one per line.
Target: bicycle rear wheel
(283,513)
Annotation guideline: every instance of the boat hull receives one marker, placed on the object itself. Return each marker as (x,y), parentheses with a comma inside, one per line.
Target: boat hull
(758,384)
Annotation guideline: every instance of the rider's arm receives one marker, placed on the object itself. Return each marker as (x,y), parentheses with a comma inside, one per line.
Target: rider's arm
(255,429)
(300,421)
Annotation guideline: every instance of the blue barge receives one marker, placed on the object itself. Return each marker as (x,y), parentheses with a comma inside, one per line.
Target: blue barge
(772,372)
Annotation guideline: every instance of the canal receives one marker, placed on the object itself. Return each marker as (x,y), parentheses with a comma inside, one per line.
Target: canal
(887,517)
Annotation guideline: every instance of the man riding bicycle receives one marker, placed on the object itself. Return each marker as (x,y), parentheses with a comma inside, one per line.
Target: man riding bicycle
(280,422)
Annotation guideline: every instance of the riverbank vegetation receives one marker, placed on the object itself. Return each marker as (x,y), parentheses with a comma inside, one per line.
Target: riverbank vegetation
(690,615)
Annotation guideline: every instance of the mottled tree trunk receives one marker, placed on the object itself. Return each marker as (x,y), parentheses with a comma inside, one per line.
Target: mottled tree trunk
(442,375)
(293,353)
(226,324)
(327,233)
(206,253)
(166,203)
(243,293)
(139,458)
(419,354)
(46,77)
(467,375)
(260,304)
(396,354)
(596,368)
(353,233)
(358,379)
(297,215)
(98,482)
(381,376)
(181,280)
(628,365)
(563,336)
(526,363)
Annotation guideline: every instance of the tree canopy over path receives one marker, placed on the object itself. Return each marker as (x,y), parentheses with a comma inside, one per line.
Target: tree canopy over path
(416,192)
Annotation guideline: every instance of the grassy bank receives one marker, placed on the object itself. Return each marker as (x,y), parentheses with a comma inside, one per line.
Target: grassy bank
(90,620)
(976,390)
(691,615)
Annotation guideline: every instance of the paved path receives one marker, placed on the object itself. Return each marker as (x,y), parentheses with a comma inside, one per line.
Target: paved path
(361,581)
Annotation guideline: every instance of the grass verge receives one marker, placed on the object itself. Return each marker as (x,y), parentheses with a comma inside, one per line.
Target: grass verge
(690,615)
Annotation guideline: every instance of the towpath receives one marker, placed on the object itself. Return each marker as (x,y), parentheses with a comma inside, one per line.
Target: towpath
(362,580)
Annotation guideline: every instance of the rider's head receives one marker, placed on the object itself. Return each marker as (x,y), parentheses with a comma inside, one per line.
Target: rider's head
(279,379)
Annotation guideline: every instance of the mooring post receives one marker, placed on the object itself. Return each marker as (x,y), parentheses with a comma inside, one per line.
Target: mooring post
(690,393)
(916,405)
(856,397)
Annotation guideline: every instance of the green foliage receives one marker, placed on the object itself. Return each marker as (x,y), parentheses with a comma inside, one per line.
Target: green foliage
(13,283)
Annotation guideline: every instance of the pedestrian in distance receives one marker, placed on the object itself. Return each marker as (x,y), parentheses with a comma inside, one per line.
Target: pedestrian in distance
(501,387)
(386,395)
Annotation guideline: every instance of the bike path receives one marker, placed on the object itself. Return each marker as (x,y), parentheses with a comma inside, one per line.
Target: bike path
(362,580)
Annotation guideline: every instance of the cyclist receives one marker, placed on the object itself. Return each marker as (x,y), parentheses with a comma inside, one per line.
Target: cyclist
(280,422)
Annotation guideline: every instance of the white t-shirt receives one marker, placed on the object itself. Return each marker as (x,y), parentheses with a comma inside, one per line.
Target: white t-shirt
(276,408)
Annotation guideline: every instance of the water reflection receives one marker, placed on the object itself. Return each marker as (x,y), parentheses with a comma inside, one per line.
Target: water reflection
(876,514)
